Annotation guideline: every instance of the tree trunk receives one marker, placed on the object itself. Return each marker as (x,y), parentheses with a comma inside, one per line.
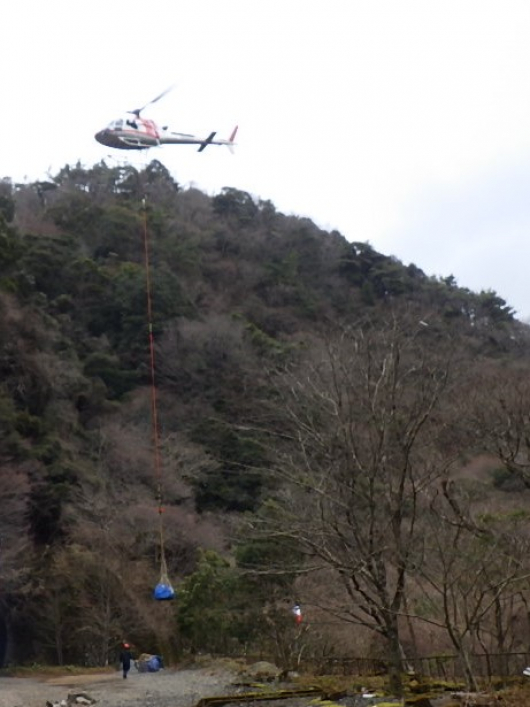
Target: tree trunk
(395,667)
(468,672)
(4,640)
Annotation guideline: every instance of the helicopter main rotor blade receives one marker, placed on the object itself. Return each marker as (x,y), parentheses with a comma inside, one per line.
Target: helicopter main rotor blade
(137,111)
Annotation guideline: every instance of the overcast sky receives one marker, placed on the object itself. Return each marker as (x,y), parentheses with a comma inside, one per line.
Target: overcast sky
(404,123)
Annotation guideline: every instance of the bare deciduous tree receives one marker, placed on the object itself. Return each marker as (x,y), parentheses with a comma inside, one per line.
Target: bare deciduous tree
(471,574)
(501,416)
(370,443)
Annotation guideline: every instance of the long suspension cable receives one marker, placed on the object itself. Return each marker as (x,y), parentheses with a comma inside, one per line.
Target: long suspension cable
(154,404)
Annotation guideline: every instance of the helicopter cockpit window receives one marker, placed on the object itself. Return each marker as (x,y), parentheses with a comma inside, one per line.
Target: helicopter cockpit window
(116,125)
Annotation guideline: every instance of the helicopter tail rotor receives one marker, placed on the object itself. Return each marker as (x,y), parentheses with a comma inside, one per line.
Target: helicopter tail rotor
(231,140)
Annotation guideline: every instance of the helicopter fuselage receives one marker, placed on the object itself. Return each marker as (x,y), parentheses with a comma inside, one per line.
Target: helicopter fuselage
(130,133)
(134,133)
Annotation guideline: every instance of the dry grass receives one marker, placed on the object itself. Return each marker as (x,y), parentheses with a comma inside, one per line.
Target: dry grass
(51,671)
(516,696)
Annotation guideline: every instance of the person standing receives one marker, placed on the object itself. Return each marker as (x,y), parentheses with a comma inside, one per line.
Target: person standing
(125,659)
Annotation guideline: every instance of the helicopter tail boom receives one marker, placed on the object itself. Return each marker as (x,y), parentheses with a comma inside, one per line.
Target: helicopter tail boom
(210,141)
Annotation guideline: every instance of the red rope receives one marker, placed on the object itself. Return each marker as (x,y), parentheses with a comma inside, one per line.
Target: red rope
(154,405)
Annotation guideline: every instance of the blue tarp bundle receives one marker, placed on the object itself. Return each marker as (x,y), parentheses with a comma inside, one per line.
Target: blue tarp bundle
(154,664)
(163,591)
(149,663)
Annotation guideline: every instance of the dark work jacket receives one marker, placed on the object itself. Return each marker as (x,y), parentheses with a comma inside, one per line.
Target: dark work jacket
(125,659)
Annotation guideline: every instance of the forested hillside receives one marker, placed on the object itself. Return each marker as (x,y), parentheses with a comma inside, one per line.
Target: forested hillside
(336,428)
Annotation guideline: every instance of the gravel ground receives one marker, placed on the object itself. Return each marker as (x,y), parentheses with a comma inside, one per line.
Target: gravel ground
(167,688)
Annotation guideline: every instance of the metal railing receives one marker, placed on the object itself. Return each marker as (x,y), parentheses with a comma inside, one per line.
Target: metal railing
(439,667)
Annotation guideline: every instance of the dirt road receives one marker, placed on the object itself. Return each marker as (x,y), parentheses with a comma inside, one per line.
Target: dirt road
(167,688)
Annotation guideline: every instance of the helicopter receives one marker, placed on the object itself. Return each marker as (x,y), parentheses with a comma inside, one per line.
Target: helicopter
(132,132)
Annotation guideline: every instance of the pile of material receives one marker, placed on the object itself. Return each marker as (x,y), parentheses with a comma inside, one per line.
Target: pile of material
(148,663)
(74,698)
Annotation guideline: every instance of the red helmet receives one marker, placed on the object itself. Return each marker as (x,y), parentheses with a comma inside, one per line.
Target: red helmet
(126,645)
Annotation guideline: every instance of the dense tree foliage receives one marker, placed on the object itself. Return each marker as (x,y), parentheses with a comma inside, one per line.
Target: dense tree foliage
(285,396)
